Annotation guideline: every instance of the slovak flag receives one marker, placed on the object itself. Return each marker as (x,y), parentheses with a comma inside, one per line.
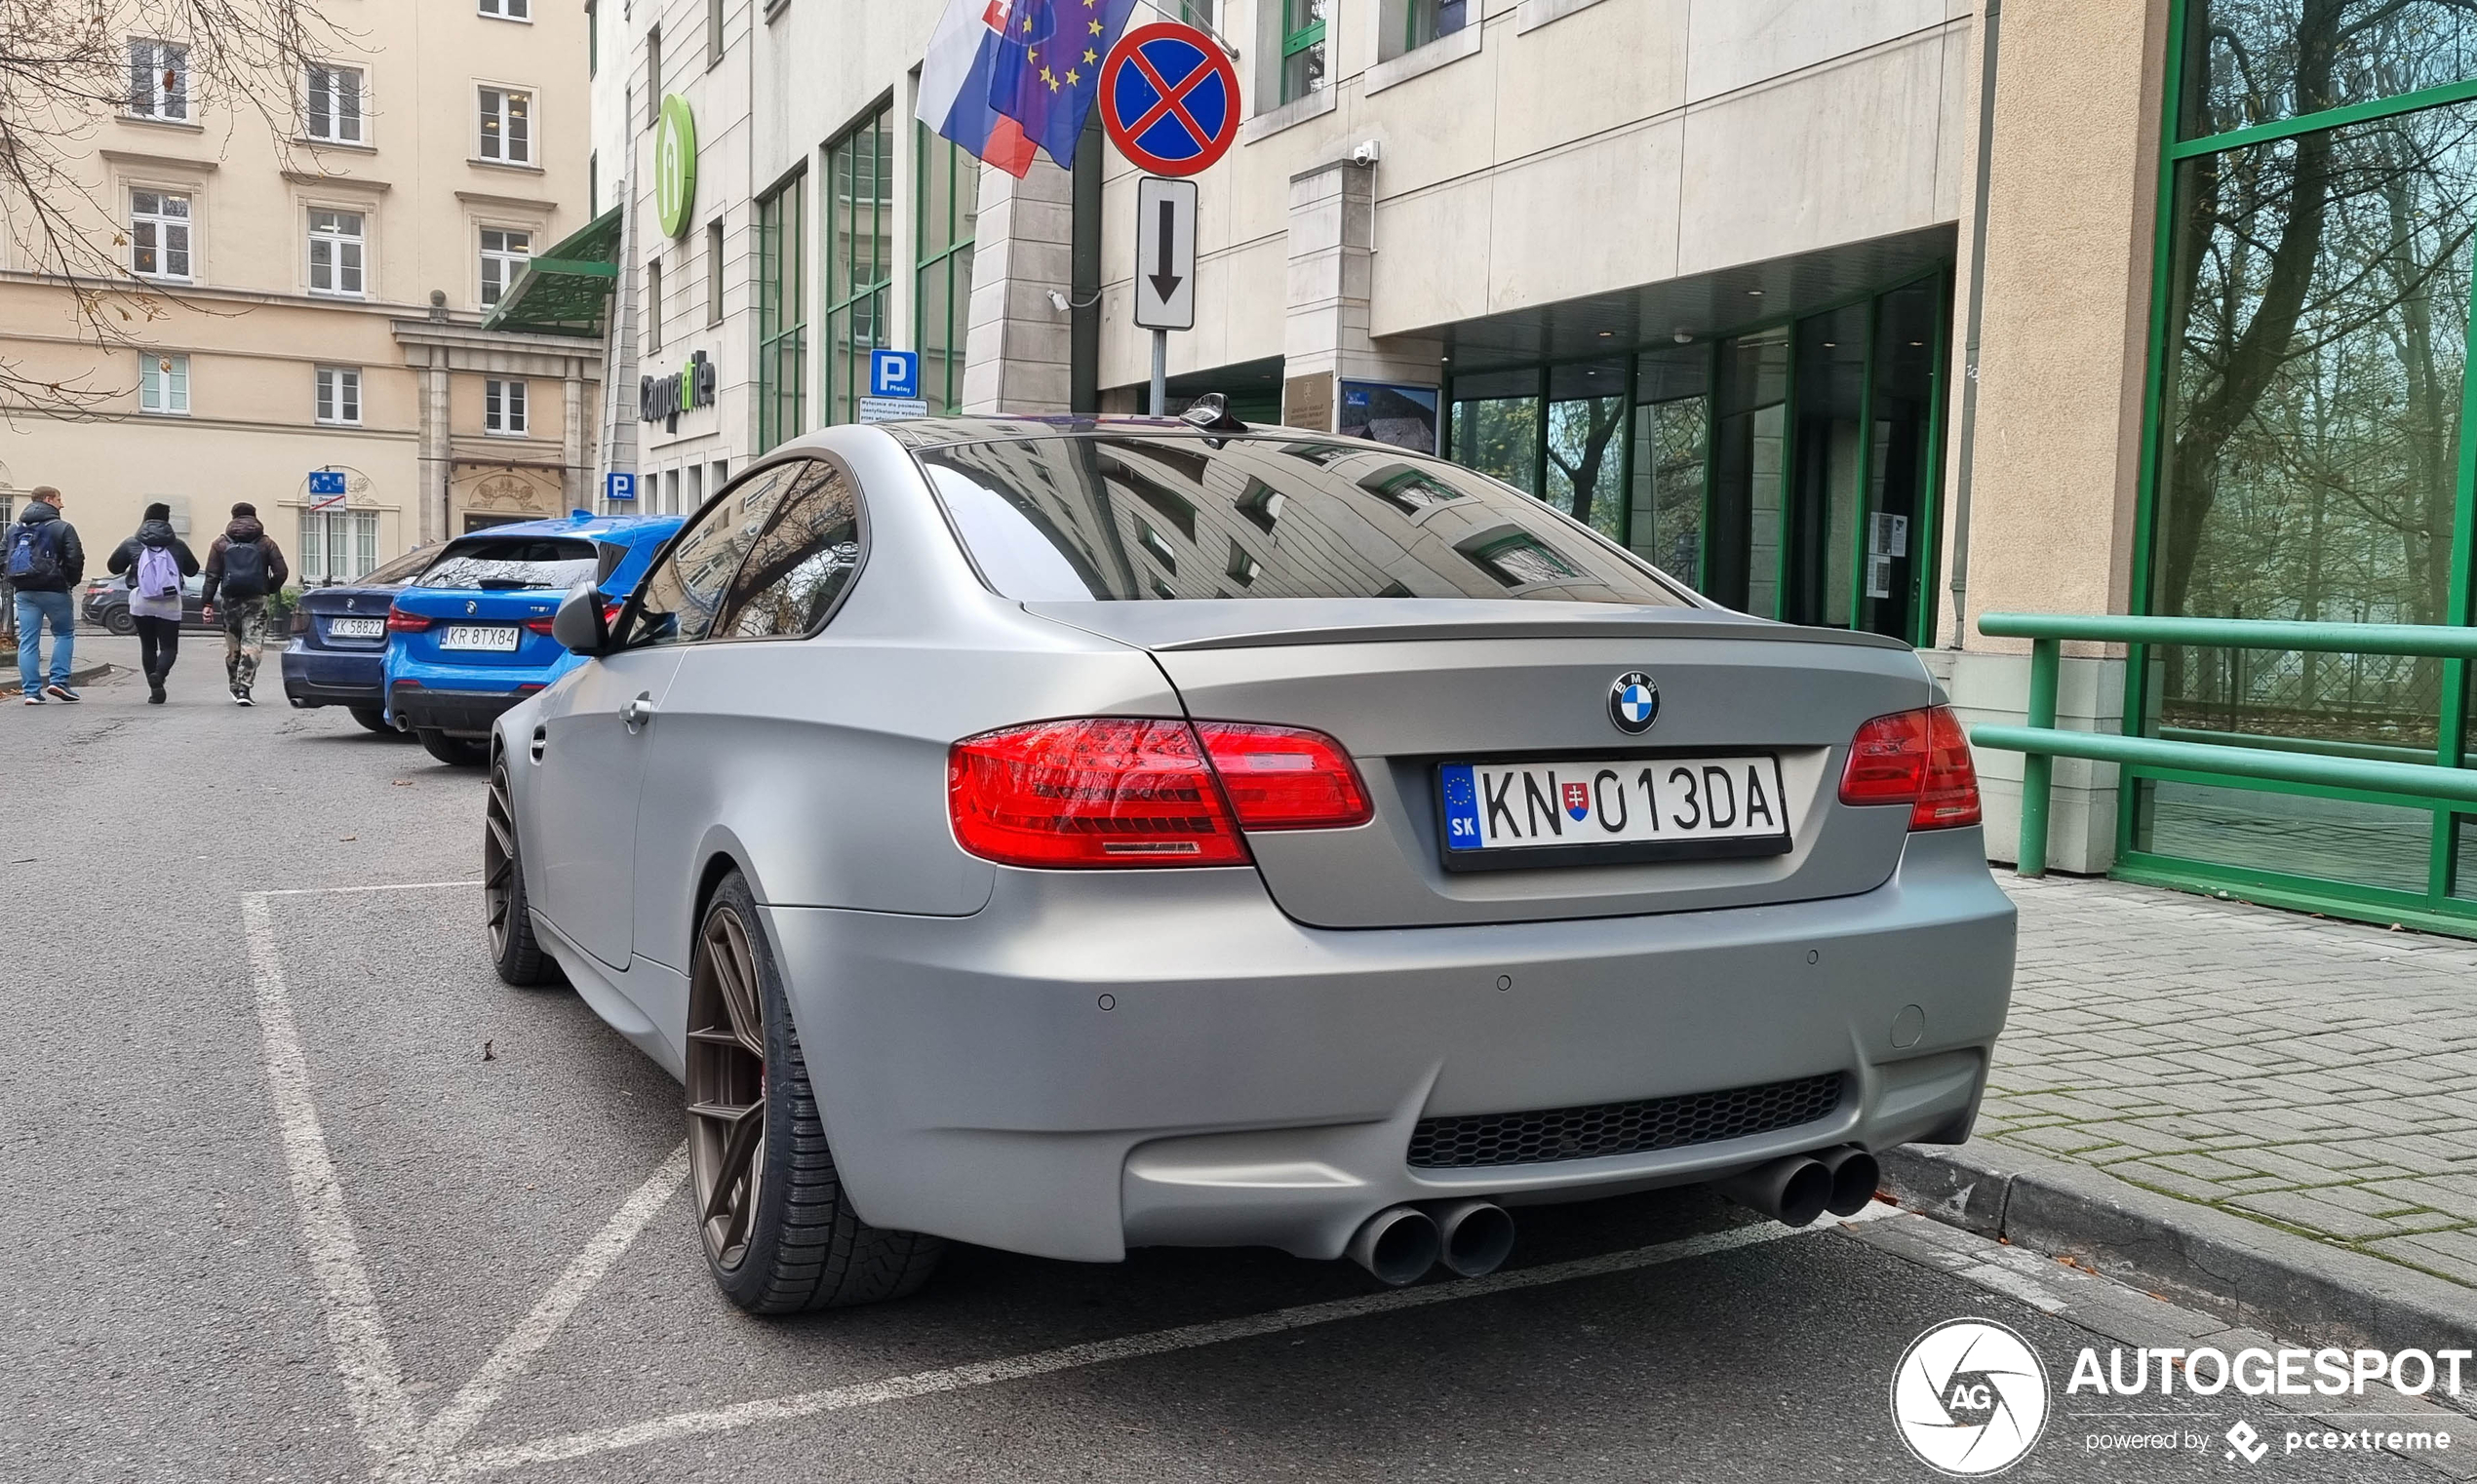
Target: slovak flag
(1003,76)
(955,86)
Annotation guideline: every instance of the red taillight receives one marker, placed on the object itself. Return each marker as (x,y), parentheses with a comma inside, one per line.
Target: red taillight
(401,622)
(610,612)
(1106,792)
(1918,758)
(538,626)
(1120,791)
(1284,777)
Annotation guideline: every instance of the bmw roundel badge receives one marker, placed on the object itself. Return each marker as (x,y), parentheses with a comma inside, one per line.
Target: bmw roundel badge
(1633,702)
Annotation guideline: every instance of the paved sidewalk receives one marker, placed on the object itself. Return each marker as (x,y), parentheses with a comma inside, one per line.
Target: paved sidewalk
(2312,1075)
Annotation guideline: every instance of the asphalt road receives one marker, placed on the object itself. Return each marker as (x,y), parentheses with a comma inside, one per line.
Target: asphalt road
(290,1171)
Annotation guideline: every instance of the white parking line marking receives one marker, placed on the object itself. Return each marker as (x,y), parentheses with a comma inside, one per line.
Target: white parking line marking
(374,1385)
(464,1409)
(326,891)
(406,1451)
(869,1394)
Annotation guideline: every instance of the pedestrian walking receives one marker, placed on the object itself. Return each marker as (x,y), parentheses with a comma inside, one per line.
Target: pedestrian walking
(154,562)
(244,567)
(44,562)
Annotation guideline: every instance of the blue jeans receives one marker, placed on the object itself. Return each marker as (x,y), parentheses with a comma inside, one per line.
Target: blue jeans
(32,610)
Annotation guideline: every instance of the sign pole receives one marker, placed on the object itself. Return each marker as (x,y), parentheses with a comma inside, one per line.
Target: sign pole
(1169,102)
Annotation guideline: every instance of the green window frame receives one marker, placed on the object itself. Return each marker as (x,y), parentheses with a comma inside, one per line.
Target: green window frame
(782,317)
(2205,117)
(860,208)
(1302,47)
(945,200)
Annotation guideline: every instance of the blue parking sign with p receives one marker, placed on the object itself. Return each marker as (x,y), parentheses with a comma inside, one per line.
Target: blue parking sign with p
(616,485)
(894,374)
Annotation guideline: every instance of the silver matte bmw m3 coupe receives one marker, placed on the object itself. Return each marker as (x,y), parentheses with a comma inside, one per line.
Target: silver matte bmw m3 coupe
(1076,835)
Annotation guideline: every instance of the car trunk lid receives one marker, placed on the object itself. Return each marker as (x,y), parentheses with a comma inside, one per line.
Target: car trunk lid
(1408,688)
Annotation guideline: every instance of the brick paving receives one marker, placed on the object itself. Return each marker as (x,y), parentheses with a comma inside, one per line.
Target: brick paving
(2312,1075)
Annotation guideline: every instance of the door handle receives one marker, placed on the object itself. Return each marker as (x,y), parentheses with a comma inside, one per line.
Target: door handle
(636,712)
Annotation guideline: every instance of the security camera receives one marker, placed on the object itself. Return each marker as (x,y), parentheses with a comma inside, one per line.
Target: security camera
(1058,301)
(1365,153)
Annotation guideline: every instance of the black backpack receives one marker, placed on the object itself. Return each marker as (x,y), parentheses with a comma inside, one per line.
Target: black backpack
(244,569)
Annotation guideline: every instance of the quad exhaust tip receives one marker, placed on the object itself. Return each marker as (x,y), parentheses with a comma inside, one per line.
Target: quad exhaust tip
(1854,1178)
(1477,1237)
(1398,1245)
(1795,1189)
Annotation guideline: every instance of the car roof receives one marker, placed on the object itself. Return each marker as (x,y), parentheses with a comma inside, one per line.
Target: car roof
(940,432)
(619,530)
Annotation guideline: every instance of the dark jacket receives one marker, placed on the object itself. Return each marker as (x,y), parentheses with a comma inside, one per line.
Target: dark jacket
(72,555)
(246,529)
(123,562)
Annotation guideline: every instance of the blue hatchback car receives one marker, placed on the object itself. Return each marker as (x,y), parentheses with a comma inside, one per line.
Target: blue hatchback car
(470,636)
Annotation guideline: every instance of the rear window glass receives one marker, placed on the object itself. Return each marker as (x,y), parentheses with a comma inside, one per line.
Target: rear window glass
(512,562)
(402,567)
(1135,517)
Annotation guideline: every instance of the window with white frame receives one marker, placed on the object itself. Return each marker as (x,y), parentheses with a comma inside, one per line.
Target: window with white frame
(338,545)
(508,126)
(332,109)
(340,394)
(163,384)
(504,256)
(158,234)
(503,408)
(508,10)
(158,81)
(336,243)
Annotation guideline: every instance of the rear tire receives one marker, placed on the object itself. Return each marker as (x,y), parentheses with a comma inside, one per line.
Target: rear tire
(514,952)
(454,752)
(120,622)
(371,718)
(779,1234)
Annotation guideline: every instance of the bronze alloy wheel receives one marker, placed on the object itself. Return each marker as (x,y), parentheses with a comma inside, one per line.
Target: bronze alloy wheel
(514,952)
(499,862)
(781,1234)
(726,1085)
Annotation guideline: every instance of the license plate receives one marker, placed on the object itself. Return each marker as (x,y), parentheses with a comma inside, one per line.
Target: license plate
(1577,811)
(356,628)
(474,636)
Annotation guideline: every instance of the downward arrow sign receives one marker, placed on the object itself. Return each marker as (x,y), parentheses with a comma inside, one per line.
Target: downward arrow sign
(1165,282)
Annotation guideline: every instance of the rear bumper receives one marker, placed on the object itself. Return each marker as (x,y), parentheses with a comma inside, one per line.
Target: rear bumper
(458,713)
(1164,1058)
(326,677)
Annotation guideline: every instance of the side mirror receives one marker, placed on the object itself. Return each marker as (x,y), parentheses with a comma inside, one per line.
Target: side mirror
(578,625)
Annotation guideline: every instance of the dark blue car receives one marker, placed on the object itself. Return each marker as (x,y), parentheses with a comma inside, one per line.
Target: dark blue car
(470,636)
(338,645)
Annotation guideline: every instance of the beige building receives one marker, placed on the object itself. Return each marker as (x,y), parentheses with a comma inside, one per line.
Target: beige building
(310,297)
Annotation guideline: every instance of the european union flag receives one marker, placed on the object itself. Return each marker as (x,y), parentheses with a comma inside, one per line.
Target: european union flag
(1049,67)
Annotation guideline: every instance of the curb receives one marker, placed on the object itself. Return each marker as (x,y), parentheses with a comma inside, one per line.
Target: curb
(2248,1274)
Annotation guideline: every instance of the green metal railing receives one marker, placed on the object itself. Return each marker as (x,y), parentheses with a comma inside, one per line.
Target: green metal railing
(2242,755)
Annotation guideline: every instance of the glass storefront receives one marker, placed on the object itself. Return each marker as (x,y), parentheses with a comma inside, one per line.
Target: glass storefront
(1788,470)
(2310,421)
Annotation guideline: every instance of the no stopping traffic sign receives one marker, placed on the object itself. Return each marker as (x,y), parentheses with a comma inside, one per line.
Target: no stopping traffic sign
(1169,99)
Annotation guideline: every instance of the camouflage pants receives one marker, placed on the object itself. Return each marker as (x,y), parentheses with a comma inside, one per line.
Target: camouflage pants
(243,635)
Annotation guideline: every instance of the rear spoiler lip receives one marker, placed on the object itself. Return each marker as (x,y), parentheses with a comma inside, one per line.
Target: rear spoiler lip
(1716,626)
